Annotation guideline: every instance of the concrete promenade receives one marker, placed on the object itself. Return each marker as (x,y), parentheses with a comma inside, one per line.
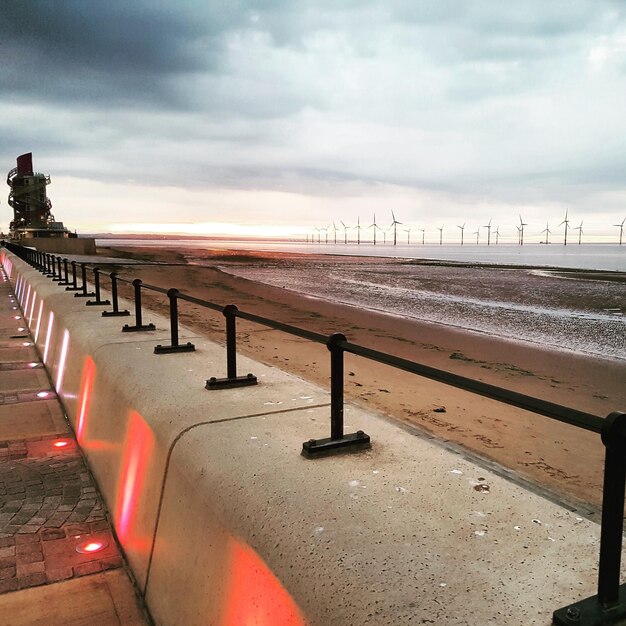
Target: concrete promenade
(49,503)
(221,519)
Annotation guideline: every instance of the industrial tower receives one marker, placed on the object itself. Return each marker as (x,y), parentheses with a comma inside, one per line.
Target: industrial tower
(32,216)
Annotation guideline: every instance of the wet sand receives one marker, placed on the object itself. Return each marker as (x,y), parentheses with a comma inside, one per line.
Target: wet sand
(566,461)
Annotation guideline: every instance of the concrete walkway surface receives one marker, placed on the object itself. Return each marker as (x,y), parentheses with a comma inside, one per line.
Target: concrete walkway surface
(50,507)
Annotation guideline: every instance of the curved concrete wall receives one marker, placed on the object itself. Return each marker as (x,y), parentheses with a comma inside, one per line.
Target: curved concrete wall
(223,522)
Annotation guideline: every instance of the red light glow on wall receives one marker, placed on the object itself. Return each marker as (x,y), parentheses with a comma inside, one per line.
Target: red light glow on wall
(32,308)
(38,321)
(136,457)
(25,307)
(254,596)
(84,397)
(48,335)
(62,360)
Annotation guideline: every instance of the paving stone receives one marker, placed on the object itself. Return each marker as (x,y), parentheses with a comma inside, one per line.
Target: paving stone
(32,580)
(30,568)
(30,558)
(9,584)
(28,548)
(87,568)
(7,561)
(61,573)
(7,572)
(52,533)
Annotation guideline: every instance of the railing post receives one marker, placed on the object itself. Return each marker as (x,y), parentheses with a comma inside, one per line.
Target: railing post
(231,380)
(174,346)
(338,441)
(49,266)
(84,293)
(96,280)
(54,269)
(65,281)
(74,286)
(116,310)
(609,605)
(138,319)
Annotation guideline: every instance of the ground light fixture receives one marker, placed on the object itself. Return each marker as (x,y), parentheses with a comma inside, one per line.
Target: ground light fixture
(61,444)
(33,364)
(43,394)
(90,546)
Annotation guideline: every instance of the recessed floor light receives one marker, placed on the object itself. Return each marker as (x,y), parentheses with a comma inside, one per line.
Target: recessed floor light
(91,546)
(61,444)
(43,394)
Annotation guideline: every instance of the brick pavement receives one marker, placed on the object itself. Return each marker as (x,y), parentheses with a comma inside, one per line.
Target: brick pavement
(49,503)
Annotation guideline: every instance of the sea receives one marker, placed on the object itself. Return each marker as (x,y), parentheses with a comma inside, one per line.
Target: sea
(527,293)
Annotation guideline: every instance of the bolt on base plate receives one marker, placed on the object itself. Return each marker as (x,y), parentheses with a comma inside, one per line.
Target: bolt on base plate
(229,383)
(96,302)
(183,347)
(589,612)
(133,329)
(123,313)
(315,448)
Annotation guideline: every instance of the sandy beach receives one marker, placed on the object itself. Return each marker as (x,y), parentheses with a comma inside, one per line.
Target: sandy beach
(565,461)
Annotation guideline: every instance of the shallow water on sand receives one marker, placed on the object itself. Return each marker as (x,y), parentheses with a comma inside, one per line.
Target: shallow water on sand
(523,304)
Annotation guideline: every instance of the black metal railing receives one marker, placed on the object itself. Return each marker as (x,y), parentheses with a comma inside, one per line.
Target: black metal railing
(608,606)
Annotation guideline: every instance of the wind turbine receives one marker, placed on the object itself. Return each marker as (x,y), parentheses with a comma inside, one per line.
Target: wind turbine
(497,233)
(395,224)
(408,235)
(547,231)
(345,232)
(488,227)
(580,231)
(423,231)
(462,229)
(319,230)
(335,232)
(375,226)
(477,233)
(520,229)
(621,230)
(566,222)
(384,232)
(326,232)
(358,231)
(440,235)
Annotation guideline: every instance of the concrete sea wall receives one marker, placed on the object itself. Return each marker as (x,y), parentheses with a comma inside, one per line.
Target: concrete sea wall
(224,522)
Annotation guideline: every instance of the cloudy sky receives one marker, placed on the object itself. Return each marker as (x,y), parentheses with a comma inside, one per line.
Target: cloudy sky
(239,116)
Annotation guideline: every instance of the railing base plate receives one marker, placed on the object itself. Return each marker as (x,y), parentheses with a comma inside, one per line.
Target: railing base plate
(589,612)
(97,302)
(229,383)
(73,289)
(184,347)
(84,295)
(133,329)
(315,448)
(123,313)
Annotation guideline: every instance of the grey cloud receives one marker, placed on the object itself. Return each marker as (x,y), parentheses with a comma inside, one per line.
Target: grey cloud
(98,52)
